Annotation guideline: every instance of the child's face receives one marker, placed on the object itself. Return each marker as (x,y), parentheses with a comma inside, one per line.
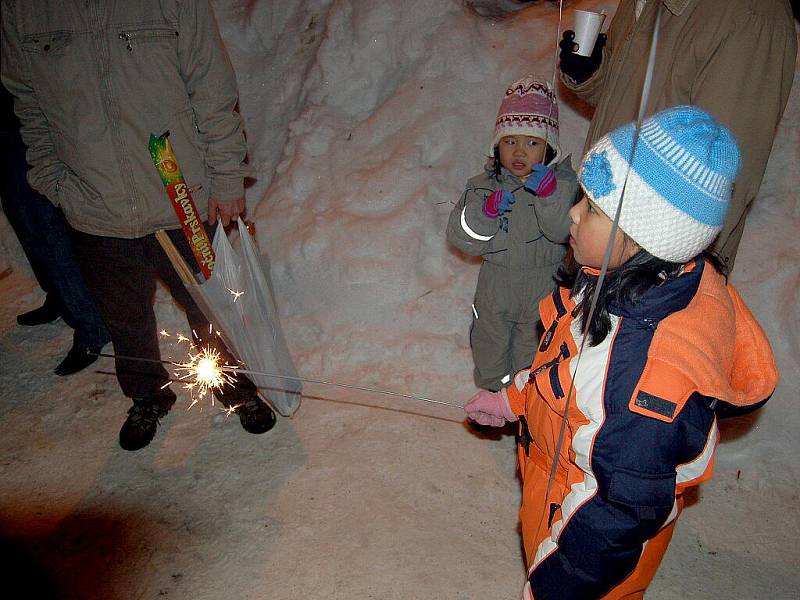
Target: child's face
(588,236)
(518,153)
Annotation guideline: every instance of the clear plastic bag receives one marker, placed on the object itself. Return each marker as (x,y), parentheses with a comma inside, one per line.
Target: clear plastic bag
(249,320)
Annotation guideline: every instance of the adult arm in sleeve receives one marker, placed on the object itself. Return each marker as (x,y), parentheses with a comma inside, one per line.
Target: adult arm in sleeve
(46,168)
(211,85)
(590,90)
(759,53)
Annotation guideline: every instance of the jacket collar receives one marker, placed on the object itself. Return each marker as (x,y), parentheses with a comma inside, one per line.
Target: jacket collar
(671,296)
(506,176)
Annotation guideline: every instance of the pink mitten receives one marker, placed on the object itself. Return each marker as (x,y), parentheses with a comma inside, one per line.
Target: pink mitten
(498,203)
(490,408)
(541,182)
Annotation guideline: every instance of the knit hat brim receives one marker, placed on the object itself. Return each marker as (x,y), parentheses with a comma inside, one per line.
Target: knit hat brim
(539,130)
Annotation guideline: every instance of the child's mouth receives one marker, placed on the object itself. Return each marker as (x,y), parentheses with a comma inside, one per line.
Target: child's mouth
(519,166)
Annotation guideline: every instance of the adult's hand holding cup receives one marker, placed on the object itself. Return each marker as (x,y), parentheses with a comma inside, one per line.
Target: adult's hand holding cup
(587,28)
(576,67)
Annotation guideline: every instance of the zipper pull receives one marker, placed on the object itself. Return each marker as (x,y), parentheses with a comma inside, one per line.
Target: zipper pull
(127,38)
(649,323)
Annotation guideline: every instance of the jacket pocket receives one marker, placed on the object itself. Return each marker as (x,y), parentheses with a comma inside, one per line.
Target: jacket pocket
(56,60)
(137,37)
(650,495)
(547,378)
(82,204)
(52,43)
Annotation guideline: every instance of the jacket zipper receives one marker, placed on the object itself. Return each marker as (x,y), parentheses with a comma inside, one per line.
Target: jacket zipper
(548,336)
(130,36)
(555,382)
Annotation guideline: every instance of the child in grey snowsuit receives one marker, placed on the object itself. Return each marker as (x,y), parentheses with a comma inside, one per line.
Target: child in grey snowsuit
(516,216)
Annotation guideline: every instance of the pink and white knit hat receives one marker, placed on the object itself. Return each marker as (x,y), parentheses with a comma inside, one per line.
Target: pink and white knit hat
(528,108)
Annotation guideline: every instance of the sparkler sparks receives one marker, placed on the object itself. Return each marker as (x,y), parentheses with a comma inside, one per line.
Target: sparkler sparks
(235,293)
(229,410)
(204,373)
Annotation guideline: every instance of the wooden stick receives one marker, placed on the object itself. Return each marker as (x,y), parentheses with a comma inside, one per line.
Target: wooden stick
(183,270)
(190,283)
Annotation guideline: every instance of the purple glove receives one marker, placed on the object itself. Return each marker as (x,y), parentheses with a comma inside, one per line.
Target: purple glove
(541,182)
(490,408)
(497,203)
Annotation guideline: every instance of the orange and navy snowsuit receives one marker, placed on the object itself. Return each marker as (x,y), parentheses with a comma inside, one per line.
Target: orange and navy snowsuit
(640,429)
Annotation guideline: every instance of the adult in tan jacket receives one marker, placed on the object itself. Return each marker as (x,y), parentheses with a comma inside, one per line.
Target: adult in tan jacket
(733,58)
(92,81)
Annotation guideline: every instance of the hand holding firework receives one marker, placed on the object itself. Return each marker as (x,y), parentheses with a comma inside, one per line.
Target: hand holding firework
(490,408)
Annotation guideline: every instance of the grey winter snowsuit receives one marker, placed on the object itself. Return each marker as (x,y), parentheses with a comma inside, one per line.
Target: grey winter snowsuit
(521,251)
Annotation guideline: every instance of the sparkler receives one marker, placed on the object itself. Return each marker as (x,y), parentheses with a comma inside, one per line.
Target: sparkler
(204,373)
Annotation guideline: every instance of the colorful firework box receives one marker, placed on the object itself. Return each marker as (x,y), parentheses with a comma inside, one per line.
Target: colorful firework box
(181,198)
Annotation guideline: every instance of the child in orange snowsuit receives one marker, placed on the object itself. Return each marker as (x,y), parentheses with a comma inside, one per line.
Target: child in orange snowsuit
(617,412)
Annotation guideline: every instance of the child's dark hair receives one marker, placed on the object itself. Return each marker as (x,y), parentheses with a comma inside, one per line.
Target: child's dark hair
(549,155)
(623,285)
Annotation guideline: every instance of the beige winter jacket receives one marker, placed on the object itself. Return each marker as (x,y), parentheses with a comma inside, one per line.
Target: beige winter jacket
(93,79)
(733,58)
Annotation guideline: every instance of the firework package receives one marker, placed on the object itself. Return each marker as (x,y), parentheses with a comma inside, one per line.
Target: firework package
(181,199)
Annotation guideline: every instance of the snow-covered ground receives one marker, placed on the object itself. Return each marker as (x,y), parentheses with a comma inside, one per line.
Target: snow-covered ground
(364,120)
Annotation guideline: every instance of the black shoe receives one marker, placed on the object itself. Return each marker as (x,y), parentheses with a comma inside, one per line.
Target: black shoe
(255,415)
(46,313)
(77,359)
(140,427)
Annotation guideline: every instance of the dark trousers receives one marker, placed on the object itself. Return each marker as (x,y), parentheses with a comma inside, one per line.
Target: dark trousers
(44,236)
(121,274)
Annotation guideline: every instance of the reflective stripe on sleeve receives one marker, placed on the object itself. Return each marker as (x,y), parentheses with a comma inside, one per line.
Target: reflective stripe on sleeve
(468,230)
(521,378)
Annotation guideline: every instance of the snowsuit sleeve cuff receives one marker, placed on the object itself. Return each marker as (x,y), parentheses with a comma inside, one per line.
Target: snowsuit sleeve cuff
(514,397)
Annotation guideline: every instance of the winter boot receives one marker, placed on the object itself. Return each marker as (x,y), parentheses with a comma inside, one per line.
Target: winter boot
(255,415)
(140,426)
(46,313)
(77,359)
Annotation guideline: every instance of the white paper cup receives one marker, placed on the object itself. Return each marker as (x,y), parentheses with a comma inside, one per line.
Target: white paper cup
(587,28)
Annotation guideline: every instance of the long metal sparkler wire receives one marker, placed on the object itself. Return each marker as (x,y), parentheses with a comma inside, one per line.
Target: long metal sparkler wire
(349,386)
(234,369)
(609,248)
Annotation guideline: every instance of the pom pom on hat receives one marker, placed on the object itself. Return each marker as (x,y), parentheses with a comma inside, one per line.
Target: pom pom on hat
(679,182)
(528,108)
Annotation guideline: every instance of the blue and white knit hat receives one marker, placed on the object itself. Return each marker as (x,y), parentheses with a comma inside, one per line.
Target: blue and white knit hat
(679,185)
